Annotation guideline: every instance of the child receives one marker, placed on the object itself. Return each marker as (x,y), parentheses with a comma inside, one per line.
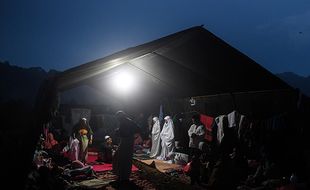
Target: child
(107,150)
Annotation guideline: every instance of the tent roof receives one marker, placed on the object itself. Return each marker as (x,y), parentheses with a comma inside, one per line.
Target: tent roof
(191,62)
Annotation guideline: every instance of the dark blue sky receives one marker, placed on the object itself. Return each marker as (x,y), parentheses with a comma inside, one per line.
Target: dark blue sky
(60,34)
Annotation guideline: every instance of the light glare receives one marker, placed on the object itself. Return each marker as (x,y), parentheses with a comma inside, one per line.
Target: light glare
(124,82)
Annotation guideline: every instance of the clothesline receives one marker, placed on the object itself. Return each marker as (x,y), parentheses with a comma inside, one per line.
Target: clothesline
(239,93)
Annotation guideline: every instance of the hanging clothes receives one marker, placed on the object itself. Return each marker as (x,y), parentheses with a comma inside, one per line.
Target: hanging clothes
(234,120)
(156,146)
(167,139)
(220,127)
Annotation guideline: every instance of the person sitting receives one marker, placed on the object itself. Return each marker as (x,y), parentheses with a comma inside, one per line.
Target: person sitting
(78,171)
(107,150)
(50,142)
(138,143)
(195,168)
(147,143)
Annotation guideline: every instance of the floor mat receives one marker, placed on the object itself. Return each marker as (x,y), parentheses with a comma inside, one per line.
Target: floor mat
(101,167)
(108,167)
(95,183)
(92,157)
(162,166)
(135,178)
(141,156)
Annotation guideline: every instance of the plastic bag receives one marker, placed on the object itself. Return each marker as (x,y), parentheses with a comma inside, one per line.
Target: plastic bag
(187,168)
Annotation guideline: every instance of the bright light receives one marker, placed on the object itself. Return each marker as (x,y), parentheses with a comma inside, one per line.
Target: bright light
(123,82)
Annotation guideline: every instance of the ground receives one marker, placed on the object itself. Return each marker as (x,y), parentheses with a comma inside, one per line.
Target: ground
(146,177)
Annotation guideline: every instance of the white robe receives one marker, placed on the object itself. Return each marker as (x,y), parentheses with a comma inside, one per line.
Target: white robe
(167,139)
(74,149)
(156,146)
(199,131)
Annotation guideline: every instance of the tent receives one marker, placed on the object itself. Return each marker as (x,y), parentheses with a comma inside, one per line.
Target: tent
(190,63)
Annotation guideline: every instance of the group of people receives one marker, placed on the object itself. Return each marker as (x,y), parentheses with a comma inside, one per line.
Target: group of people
(163,144)
(163,140)
(239,147)
(120,157)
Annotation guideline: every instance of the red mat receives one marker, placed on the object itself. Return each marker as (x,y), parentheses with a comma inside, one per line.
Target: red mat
(92,157)
(108,167)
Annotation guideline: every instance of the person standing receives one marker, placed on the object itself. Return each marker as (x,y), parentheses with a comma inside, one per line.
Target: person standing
(84,134)
(156,146)
(196,134)
(180,132)
(74,149)
(167,139)
(123,163)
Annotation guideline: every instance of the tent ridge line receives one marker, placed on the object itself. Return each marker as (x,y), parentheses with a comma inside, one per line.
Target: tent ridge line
(153,76)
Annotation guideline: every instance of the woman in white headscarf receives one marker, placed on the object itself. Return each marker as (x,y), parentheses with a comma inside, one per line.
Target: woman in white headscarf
(156,146)
(167,139)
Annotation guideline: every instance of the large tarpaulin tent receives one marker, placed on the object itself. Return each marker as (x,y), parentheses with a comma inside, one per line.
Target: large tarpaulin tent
(188,63)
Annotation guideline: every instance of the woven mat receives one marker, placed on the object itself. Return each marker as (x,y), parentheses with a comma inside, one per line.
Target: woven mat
(163,166)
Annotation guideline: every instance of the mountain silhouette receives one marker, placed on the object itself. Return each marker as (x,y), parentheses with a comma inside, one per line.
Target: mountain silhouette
(21,84)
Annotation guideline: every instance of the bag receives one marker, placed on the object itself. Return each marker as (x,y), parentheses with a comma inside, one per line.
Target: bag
(187,168)
(180,158)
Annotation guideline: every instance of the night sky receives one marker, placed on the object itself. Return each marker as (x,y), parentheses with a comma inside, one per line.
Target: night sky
(60,34)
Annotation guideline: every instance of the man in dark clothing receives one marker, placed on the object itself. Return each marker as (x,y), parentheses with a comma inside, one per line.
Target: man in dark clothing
(179,132)
(123,163)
